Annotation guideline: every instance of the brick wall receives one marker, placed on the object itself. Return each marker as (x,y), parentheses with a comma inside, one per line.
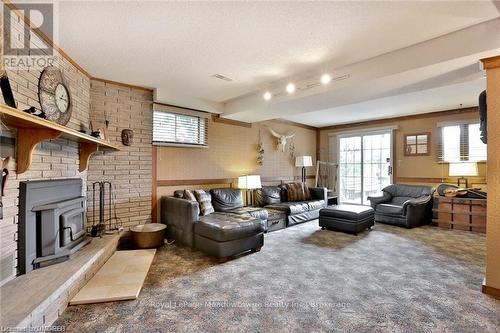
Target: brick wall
(129,170)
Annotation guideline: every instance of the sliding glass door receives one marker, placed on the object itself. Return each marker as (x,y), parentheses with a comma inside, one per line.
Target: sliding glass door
(365,165)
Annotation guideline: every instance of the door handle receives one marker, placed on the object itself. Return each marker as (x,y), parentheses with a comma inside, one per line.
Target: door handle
(389,170)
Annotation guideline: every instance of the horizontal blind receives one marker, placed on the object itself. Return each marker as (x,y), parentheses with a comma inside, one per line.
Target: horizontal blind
(460,142)
(177,126)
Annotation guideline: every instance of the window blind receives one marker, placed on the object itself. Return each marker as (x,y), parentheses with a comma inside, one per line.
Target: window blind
(460,142)
(179,127)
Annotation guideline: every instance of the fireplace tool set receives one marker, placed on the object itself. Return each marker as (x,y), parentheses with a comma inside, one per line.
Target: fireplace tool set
(113,223)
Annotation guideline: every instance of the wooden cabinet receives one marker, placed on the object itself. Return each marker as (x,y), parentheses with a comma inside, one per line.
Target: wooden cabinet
(460,213)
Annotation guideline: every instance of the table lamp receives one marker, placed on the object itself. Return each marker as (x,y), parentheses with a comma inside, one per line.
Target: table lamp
(249,183)
(461,169)
(303,161)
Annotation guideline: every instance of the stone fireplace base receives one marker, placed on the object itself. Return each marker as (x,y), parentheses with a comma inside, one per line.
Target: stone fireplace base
(39,297)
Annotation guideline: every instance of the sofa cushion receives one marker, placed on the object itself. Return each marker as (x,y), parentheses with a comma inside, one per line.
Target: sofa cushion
(390,209)
(267,195)
(292,208)
(297,192)
(226,199)
(223,227)
(257,212)
(189,195)
(410,191)
(316,204)
(399,201)
(205,202)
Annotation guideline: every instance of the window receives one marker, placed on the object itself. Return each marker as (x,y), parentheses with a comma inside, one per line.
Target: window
(461,143)
(180,128)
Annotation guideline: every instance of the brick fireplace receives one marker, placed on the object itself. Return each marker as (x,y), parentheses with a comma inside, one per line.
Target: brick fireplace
(130,169)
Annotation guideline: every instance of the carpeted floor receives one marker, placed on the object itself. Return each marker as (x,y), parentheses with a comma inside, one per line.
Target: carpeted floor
(307,280)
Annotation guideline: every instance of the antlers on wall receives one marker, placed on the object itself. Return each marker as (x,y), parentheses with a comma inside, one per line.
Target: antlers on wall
(288,135)
(282,138)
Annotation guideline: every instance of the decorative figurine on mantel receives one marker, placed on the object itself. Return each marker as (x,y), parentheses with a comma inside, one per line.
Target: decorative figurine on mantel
(34,111)
(127,137)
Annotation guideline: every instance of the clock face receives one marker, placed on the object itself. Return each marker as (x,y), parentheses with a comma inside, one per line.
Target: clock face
(62,98)
(54,96)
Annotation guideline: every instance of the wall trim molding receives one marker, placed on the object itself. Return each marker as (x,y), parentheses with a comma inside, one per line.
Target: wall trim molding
(121,84)
(480,181)
(293,123)
(492,291)
(208,181)
(216,118)
(394,119)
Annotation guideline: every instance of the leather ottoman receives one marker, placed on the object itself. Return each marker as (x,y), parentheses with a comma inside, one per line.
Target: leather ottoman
(224,234)
(347,218)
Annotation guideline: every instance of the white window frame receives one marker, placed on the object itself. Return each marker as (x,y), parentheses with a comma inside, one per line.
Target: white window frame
(441,142)
(202,116)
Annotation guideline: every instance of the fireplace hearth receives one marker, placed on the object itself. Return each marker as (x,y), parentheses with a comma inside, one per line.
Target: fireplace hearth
(51,222)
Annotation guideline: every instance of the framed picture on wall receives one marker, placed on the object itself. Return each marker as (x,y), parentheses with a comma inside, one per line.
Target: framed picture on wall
(417,144)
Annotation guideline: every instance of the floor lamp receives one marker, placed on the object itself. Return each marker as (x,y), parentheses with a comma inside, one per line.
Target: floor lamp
(303,161)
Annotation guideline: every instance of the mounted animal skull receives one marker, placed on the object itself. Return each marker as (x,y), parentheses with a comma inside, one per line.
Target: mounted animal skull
(282,138)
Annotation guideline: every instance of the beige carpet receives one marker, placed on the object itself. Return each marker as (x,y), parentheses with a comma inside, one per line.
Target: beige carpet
(310,280)
(120,278)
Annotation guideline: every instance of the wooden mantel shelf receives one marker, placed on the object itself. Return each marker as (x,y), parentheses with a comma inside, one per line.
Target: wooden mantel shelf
(32,130)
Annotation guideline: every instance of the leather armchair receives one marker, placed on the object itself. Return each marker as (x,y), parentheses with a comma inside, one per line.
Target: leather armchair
(404,205)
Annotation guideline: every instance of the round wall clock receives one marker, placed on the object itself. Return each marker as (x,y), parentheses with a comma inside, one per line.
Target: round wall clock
(54,96)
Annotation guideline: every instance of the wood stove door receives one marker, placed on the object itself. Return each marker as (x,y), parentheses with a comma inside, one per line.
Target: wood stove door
(72,226)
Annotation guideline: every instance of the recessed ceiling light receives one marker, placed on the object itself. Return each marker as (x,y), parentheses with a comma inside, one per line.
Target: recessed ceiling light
(267,95)
(290,88)
(326,78)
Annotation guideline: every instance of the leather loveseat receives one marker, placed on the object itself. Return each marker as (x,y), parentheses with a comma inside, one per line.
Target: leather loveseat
(276,198)
(230,230)
(403,205)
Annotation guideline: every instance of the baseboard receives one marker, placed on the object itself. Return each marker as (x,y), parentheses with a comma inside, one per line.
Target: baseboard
(495,292)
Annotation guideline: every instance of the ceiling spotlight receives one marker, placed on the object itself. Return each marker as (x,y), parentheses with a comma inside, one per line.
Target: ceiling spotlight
(290,88)
(326,78)
(267,95)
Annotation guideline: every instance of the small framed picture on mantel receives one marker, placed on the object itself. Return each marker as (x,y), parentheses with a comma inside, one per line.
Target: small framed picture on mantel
(417,144)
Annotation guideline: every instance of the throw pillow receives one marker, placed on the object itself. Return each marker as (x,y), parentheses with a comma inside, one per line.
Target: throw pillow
(188,195)
(205,201)
(298,192)
(179,194)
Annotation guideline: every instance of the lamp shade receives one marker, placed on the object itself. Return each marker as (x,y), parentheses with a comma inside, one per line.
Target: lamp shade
(249,182)
(463,169)
(303,161)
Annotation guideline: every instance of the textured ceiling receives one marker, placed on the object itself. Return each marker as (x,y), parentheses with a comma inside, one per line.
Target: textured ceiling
(177,46)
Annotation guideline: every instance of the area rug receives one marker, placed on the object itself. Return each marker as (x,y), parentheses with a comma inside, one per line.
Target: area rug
(310,280)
